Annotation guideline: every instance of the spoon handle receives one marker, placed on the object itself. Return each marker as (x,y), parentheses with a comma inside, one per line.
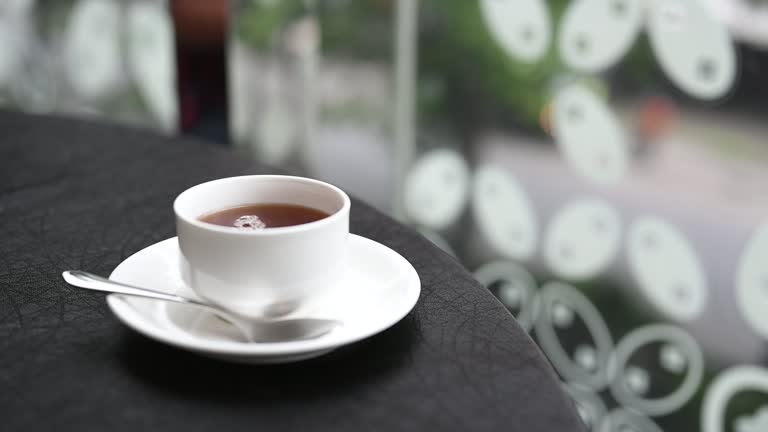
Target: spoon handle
(91,281)
(253,331)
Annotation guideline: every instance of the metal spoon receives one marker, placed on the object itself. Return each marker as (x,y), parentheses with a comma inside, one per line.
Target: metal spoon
(279,330)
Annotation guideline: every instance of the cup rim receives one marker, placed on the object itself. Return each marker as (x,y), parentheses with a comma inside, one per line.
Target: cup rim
(194,221)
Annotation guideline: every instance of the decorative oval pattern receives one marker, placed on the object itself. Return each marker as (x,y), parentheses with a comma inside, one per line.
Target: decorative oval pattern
(667,269)
(693,47)
(92,48)
(632,381)
(504,214)
(522,28)
(752,282)
(436,189)
(727,385)
(583,239)
(151,55)
(590,136)
(588,366)
(516,290)
(595,34)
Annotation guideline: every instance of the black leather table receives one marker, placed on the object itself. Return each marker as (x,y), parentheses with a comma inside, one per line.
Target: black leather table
(79,195)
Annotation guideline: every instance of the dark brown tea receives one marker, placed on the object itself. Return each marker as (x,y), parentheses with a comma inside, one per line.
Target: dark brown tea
(260,216)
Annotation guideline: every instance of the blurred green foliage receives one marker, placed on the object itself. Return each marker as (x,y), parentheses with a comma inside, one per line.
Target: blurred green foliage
(258,23)
(465,78)
(459,56)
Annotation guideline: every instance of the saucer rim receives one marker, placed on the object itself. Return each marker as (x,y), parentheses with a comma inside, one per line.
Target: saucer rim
(128,314)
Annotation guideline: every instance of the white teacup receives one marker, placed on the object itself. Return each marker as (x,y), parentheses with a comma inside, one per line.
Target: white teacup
(269,272)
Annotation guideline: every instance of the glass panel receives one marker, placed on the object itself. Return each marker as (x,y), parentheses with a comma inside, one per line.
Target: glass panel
(312,88)
(92,58)
(598,164)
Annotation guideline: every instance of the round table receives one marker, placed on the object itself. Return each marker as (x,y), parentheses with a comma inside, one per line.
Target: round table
(83,195)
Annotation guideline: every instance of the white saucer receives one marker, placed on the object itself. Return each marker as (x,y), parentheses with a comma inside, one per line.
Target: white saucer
(378,289)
